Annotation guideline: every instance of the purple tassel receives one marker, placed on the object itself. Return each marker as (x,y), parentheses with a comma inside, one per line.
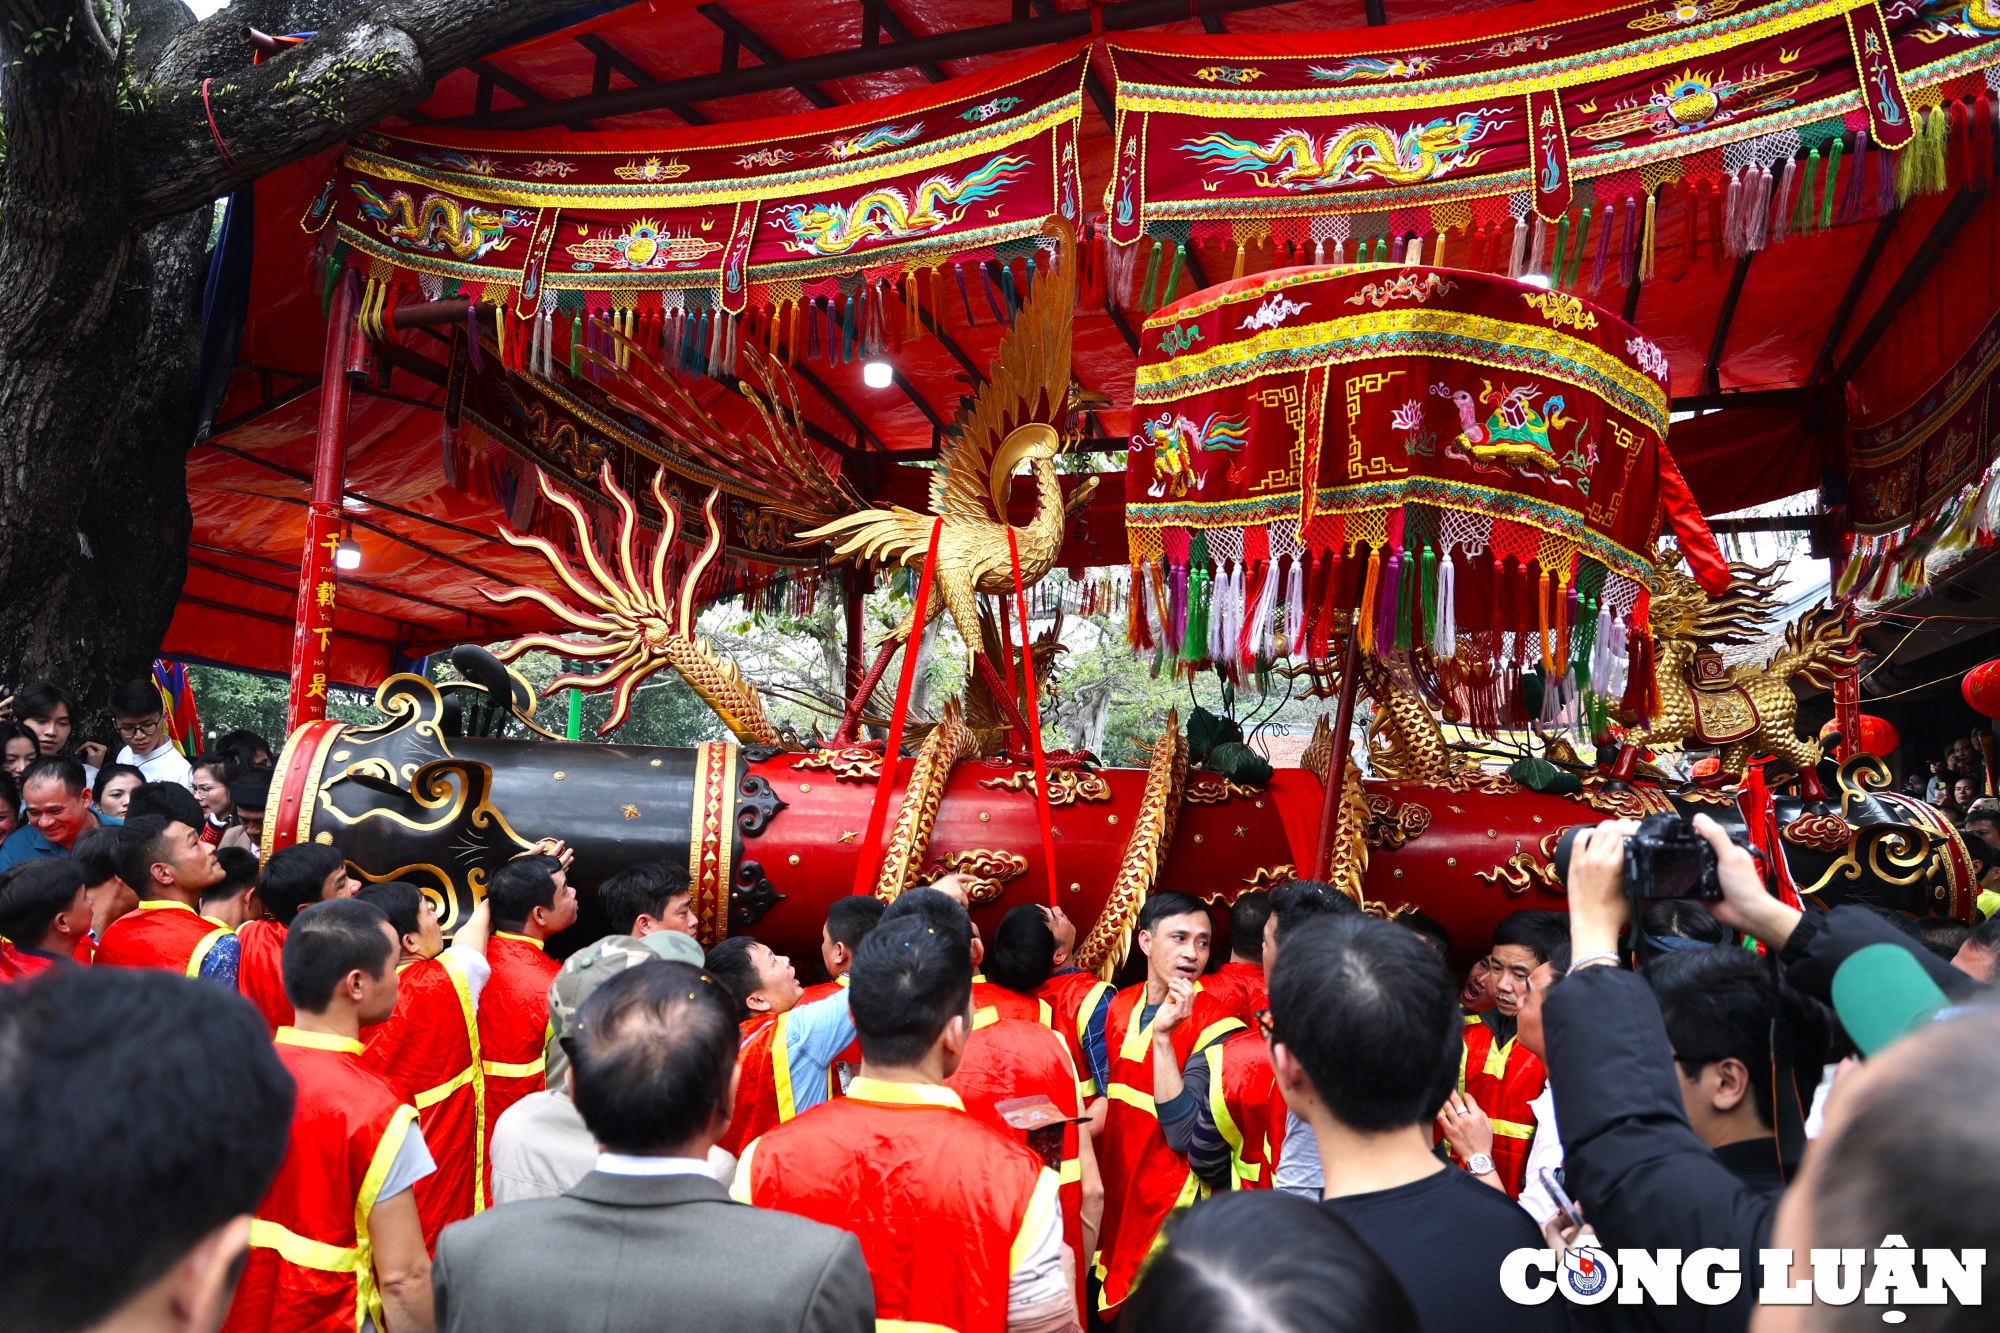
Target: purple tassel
(1857,172)
(472,340)
(1603,249)
(1628,244)
(1885,190)
(963,299)
(992,297)
(1385,604)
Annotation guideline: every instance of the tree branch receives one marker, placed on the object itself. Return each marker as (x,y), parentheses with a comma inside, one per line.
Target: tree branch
(372,62)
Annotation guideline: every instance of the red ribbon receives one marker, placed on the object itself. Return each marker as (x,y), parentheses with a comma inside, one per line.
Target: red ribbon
(878,811)
(1028,692)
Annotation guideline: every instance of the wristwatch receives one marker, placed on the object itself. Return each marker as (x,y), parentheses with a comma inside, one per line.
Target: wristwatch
(1479,1164)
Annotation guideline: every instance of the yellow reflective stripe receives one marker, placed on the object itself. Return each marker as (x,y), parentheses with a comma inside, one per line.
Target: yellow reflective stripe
(1040,1204)
(367,1297)
(1091,999)
(781,1070)
(525,939)
(910,1326)
(903,1094)
(1131,1096)
(318,1041)
(1072,1171)
(296,1249)
(739,1187)
(495,1069)
(1496,1059)
(200,953)
(985,1018)
(1513,1129)
(432,1096)
(1216,1030)
(1218,1106)
(463,985)
(1133,1047)
(1048,1015)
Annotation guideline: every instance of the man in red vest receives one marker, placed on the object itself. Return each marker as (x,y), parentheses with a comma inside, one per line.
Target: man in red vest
(1228,1119)
(531,899)
(1494,1069)
(1238,985)
(959,1222)
(641,899)
(169,865)
(338,1243)
(1153,1029)
(786,1050)
(428,1052)
(45,915)
(848,922)
(294,877)
(143,1230)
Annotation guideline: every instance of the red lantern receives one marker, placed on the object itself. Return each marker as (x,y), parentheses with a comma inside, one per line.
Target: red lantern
(1982,688)
(1877,736)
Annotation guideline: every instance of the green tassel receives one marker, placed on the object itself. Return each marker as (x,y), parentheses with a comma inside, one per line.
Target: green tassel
(1561,261)
(1174,274)
(576,345)
(1381,249)
(1152,276)
(1802,209)
(1832,182)
(1577,250)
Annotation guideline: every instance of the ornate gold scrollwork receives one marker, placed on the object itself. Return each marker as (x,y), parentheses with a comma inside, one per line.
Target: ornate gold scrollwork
(854,763)
(1528,866)
(1269,876)
(1067,786)
(1103,949)
(1391,824)
(991,870)
(1211,790)
(950,741)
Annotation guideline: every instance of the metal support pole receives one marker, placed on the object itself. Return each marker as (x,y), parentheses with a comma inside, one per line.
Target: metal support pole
(1336,769)
(312,641)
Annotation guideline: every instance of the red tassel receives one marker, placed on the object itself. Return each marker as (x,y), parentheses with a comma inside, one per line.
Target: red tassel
(1961,141)
(1982,143)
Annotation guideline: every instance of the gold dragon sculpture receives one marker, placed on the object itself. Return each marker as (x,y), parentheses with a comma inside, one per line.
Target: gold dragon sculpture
(1017,417)
(1744,708)
(640,625)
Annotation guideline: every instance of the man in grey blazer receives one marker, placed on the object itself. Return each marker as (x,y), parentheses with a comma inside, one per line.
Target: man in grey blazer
(648,1241)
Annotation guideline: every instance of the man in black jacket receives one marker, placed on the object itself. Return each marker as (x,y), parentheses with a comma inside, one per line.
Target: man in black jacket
(1644,1178)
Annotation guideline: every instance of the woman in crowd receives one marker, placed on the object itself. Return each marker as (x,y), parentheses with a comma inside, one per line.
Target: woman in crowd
(18,749)
(115,785)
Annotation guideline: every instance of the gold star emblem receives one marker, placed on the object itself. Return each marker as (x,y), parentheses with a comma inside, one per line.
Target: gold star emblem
(631,811)
(1241,831)
(850,835)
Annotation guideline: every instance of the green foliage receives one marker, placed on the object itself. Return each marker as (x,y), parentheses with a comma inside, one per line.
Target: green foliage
(1239,763)
(1205,731)
(1537,774)
(228,699)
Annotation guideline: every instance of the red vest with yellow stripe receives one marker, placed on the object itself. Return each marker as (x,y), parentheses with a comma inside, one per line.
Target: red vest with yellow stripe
(1248,1110)
(1238,987)
(1009,1058)
(991,1003)
(1503,1080)
(260,972)
(428,1054)
(513,1025)
(166,935)
(943,1204)
(311,1267)
(1075,997)
(1144,1179)
(763,1082)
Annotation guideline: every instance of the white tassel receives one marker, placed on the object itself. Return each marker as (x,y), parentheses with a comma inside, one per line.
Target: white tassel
(1262,627)
(1319,252)
(1600,651)
(1295,604)
(1781,215)
(1218,612)
(1444,633)
(735,331)
(1621,661)
(1517,257)
(1415,254)
(1756,210)
(1732,216)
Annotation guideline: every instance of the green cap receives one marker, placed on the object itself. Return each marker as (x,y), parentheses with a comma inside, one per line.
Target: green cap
(588,968)
(1881,993)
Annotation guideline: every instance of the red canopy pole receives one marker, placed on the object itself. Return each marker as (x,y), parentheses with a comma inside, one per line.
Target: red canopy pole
(318,581)
(853,588)
(1336,769)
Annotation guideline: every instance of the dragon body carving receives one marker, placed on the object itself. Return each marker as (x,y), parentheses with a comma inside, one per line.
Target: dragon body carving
(888,214)
(1745,708)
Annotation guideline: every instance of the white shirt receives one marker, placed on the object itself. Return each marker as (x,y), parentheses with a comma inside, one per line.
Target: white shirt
(165,764)
(541,1148)
(1545,1153)
(627,1164)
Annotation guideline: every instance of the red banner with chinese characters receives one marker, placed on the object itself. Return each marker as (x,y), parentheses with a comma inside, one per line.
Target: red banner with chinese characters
(1531,104)
(759,212)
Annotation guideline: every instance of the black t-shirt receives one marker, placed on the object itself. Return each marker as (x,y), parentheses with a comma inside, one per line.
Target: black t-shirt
(1444,1238)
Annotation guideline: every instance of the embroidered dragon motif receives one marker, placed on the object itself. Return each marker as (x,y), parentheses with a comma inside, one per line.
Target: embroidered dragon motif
(1175,440)
(888,214)
(871,141)
(439,223)
(1359,154)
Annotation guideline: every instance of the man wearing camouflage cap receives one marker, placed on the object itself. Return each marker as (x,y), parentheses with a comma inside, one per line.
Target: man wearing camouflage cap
(541,1146)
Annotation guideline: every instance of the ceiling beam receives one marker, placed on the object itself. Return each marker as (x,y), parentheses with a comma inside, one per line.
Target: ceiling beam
(529,95)
(950,344)
(1855,286)
(1943,232)
(1119,322)
(900,31)
(910,392)
(862,435)
(213,605)
(346,579)
(1631,308)
(1212,23)
(630,68)
(270,403)
(1703,402)
(1711,374)
(734,28)
(1377,14)
(390,533)
(963,44)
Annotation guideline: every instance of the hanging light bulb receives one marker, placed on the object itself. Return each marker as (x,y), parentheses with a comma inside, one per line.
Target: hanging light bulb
(877,373)
(347,555)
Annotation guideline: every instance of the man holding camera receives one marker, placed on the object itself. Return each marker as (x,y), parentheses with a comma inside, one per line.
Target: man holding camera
(1645,1178)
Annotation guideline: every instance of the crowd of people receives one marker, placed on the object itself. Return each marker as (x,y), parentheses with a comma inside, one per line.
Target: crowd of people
(268,1096)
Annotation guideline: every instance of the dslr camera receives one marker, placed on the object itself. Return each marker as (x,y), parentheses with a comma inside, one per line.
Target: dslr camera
(1664,858)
